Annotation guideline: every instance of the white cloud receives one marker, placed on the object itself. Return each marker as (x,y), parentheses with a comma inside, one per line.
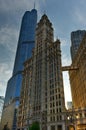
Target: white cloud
(65,48)
(16,5)
(2,88)
(66,60)
(80,16)
(79,13)
(64,42)
(9,5)
(5,74)
(8,38)
(4,68)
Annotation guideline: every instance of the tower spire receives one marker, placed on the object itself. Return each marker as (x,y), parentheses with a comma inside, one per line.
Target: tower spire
(34,4)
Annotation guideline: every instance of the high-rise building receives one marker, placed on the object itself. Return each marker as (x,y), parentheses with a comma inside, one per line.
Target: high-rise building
(24,51)
(42,93)
(78,76)
(76,38)
(78,84)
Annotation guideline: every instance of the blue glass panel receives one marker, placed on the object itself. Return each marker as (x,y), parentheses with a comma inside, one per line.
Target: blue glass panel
(24,51)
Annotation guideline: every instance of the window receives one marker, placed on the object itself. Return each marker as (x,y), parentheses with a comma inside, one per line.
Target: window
(50,104)
(59,102)
(57,118)
(59,96)
(59,109)
(52,127)
(53,111)
(56,103)
(50,111)
(53,104)
(59,127)
(51,118)
(46,106)
(60,117)
(85,114)
(80,115)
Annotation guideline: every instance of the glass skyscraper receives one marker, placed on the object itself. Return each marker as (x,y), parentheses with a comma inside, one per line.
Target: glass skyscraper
(76,38)
(24,51)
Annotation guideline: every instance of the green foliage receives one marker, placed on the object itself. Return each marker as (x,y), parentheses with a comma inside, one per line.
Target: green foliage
(35,126)
(6,127)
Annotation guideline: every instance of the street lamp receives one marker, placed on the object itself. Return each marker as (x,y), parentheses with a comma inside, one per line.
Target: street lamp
(71,120)
(71,125)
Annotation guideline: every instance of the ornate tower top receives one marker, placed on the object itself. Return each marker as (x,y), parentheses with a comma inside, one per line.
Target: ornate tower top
(44,19)
(44,29)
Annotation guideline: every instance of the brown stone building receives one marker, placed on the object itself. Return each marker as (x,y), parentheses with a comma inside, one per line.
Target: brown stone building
(78,85)
(78,77)
(42,94)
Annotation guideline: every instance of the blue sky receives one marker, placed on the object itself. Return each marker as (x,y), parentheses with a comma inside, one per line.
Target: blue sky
(66,16)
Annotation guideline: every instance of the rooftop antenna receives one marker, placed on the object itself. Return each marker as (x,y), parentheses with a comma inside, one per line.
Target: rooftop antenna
(34,4)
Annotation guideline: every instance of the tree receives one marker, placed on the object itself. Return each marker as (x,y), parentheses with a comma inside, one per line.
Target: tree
(35,126)
(6,126)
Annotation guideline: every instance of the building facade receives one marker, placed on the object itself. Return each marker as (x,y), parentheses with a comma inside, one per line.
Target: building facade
(24,51)
(78,76)
(1,105)
(75,119)
(78,81)
(76,38)
(42,93)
